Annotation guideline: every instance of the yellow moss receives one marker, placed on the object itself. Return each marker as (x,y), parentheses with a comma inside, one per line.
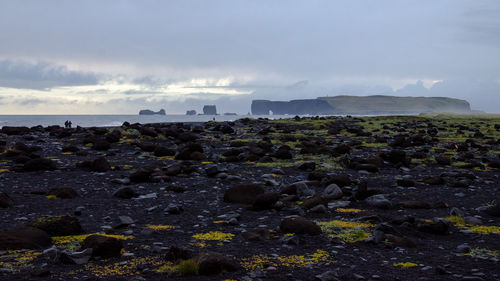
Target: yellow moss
(218,222)
(207,162)
(166,157)
(481,229)
(481,252)
(289,234)
(199,244)
(51,197)
(259,262)
(348,210)
(17,260)
(127,167)
(347,231)
(127,268)
(484,229)
(80,238)
(4,170)
(405,264)
(214,236)
(342,224)
(67,153)
(160,227)
(457,220)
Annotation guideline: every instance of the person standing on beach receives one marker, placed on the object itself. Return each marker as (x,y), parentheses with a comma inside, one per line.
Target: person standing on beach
(66,124)
(69,124)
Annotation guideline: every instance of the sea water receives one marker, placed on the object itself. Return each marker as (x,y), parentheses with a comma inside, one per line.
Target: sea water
(117,120)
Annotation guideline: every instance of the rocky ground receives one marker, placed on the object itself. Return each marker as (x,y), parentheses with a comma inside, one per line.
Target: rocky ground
(375,198)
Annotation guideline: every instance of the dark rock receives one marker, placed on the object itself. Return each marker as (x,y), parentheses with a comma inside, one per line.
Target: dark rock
(5,200)
(103,246)
(414,204)
(40,273)
(114,136)
(493,210)
(58,226)
(378,201)
(314,201)
(175,254)
(307,166)
(283,152)
(24,238)
(63,192)
(434,227)
(257,235)
(443,160)
(192,151)
(400,241)
(332,192)
(101,145)
(8,130)
(434,180)
(244,193)
(341,180)
(39,164)
(141,175)
(100,165)
(299,225)
(395,156)
(125,193)
(213,263)
(70,148)
(266,201)
(406,182)
(161,151)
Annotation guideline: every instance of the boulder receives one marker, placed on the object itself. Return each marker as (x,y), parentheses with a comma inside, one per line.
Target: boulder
(100,165)
(125,193)
(299,225)
(5,200)
(58,226)
(103,246)
(161,151)
(266,201)
(8,130)
(332,192)
(213,263)
(243,193)
(193,151)
(493,210)
(24,238)
(379,201)
(257,235)
(63,192)
(175,254)
(39,164)
(438,227)
(101,145)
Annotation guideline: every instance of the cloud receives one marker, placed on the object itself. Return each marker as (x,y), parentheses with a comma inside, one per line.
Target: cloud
(41,75)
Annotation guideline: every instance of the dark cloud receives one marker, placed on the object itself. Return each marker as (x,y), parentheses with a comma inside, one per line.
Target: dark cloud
(41,75)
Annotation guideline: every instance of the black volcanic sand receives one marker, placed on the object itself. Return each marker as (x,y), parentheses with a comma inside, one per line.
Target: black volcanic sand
(435,214)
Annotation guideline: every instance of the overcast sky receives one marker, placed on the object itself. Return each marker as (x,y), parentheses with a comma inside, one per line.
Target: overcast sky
(85,57)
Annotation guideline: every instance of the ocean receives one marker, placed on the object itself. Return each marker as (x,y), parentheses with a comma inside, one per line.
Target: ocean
(116,120)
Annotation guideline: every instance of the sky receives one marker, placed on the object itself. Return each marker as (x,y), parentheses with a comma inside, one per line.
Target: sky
(117,57)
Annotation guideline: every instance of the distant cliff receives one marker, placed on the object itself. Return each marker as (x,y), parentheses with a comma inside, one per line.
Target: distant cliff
(297,107)
(360,105)
(209,110)
(150,112)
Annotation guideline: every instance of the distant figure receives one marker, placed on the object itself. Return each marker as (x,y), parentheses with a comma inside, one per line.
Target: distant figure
(69,124)
(66,124)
